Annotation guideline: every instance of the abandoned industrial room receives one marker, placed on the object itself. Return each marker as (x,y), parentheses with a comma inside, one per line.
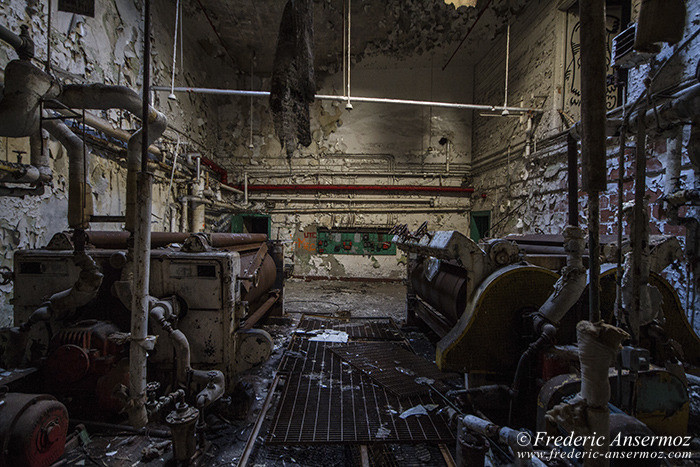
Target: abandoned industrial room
(349,232)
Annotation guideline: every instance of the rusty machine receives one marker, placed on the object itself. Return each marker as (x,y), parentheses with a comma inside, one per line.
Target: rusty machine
(149,324)
(505,313)
(218,286)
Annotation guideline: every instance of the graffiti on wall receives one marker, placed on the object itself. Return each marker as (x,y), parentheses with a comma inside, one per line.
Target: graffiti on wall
(572,77)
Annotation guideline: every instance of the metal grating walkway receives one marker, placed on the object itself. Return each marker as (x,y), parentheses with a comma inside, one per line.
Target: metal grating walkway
(327,401)
(376,329)
(401,372)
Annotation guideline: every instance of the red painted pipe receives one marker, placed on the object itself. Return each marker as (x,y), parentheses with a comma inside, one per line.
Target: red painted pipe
(220,171)
(390,188)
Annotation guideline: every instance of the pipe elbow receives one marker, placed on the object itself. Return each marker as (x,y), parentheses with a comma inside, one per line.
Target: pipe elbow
(82,292)
(214,389)
(43,313)
(101,96)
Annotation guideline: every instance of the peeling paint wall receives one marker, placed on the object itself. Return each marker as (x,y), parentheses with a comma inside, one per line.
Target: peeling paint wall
(105,49)
(527,193)
(373,144)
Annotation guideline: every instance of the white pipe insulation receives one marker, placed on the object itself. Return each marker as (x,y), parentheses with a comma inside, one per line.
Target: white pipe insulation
(104,97)
(374,100)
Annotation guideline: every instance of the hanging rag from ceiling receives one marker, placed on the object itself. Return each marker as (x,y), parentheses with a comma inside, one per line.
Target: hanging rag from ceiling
(293,82)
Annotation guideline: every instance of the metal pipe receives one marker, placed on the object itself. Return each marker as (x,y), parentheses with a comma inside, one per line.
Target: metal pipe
(375,100)
(100,96)
(10,37)
(25,87)
(572,282)
(245,188)
(348,50)
(572,147)
(257,315)
(297,199)
(11,172)
(230,188)
(214,380)
(639,229)
(593,70)
(681,107)
(598,344)
(165,434)
(459,209)
(593,119)
(355,188)
(118,239)
(140,226)
(79,192)
(522,447)
(620,311)
(23,44)
(302,172)
(141,253)
(39,154)
(105,127)
(594,256)
(184,214)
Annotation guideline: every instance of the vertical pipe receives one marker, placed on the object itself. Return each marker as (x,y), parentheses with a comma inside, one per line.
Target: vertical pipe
(572,147)
(245,187)
(141,255)
(349,105)
(184,214)
(593,118)
(593,91)
(639,227)
(594,256)
(146,83)
(505,99)
(621,313)
(48,39)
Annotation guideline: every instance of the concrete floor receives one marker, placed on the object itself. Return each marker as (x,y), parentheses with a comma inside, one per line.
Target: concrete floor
(227,442)
(356,299)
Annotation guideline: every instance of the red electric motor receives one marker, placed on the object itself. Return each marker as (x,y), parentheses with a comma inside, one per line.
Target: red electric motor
(83,360)
(33,430)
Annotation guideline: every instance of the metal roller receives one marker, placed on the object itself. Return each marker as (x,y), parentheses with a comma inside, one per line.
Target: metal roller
(488,337)
(266,276)
(446,292)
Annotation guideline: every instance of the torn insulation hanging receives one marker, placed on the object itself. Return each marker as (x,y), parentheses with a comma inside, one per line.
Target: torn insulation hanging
(293,81)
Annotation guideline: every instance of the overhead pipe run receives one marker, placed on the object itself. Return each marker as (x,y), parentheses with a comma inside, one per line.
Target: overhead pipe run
(373,100)
(104,97)
(363,188)
(296,199)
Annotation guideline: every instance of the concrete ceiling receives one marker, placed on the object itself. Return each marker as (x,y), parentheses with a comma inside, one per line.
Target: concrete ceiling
(397,28)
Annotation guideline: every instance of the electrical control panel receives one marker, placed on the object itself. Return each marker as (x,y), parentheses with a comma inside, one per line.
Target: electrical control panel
(354,242)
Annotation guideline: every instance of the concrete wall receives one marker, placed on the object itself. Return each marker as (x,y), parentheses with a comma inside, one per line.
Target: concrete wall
(104,49)
(381,142)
